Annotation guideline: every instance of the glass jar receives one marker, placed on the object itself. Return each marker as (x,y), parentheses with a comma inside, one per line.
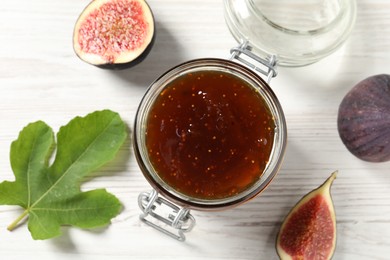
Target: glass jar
(298,32)
(228,71)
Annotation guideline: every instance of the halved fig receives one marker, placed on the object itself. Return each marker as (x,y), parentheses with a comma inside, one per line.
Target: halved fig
(309,230)
(114,34)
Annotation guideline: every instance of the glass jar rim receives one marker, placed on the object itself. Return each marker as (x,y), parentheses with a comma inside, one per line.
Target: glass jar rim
(277,153)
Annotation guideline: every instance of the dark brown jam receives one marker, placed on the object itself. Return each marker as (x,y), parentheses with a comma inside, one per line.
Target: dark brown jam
(209,135)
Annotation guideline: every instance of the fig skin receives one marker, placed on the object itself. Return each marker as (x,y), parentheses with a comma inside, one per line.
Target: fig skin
(364,119)
(309,230)
(125,58)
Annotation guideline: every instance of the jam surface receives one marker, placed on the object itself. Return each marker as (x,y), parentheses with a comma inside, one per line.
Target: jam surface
(209,135)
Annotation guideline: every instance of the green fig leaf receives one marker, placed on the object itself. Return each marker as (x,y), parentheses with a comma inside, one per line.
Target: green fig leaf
(51,194)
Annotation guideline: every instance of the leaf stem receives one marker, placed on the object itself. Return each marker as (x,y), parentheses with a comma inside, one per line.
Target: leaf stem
(14,224)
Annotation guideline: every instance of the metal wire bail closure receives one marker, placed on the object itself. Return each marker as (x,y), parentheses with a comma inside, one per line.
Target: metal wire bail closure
(243,53)
(177,220)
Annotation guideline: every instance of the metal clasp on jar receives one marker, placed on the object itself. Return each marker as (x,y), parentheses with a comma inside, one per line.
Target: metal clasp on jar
(243,53)
(175,218)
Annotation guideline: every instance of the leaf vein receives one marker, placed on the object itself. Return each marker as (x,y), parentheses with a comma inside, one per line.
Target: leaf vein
(70,209)
(43,227)
(29,172)
(72,165)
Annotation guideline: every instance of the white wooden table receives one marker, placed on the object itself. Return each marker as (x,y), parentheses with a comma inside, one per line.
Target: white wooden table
(41,78)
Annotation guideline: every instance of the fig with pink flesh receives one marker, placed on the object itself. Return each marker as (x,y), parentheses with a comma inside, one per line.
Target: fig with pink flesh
(364,119)
(114,34)
(309,230)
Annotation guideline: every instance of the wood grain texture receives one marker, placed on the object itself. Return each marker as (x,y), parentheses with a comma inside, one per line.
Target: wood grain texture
(42,79)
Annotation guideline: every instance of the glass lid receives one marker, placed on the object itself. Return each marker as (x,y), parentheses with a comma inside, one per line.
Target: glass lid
(298,32)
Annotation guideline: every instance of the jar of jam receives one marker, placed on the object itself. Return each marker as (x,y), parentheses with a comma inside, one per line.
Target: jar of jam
(210,133)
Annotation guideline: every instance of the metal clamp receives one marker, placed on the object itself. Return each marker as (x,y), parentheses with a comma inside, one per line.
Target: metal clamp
(176,221)
(244,54)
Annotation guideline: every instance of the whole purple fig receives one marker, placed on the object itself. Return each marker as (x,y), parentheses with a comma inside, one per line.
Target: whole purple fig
(364,119)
